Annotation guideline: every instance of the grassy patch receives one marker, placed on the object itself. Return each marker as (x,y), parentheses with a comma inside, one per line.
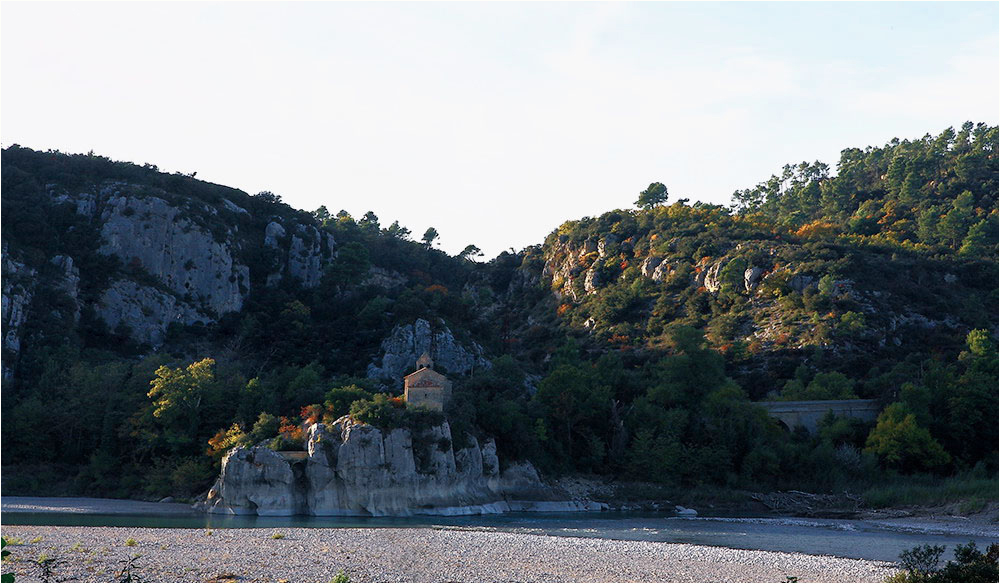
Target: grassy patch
(970,492)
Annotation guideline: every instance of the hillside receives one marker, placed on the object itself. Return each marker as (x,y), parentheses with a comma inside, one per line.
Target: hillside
(629,345)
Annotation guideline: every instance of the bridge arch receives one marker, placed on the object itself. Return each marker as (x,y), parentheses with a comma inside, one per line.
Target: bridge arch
(792,414)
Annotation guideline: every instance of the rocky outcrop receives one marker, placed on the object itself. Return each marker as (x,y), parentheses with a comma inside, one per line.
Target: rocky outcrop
(19,283)
(649,266)
(68,281)
(751,277)
(256,481)
(305,256)
(351,468)
(234,208)
(383,278)
(606,245)
(566,262)
(308,252)
(592,282)
(186,254)
(406,343)
(713,280)
(272,233)
(146,311)
(185,257)
(84,203)
(183,250)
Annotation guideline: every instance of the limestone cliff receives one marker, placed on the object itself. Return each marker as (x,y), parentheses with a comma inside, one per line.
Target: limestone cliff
(181,260)
(187,258)
(23,285)
(146,311)
(302,255)
(351,468)
(19,283)
(406,343)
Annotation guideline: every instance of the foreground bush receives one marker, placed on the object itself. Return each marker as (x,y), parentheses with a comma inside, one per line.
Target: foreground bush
(970,565)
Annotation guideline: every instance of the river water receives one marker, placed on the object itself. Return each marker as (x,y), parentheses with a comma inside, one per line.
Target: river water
(833,537)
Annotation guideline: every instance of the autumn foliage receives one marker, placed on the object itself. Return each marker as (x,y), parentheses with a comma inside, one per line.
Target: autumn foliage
(817,229)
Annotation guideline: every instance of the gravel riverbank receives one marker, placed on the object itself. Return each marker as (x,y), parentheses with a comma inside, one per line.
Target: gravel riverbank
(94,554)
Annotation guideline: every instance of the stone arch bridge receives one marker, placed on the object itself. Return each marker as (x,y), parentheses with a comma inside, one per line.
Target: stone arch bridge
(808,413)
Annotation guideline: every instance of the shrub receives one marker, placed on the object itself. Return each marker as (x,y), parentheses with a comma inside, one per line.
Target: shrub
(339,399)
(851,323)
(312,413)
(817,229)
(225,440)
(380,411)
(901,444)
(921,560)
(6,576)
(265,427)
(970,565)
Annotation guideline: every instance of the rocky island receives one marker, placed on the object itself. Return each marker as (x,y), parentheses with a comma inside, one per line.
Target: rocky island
(352,468)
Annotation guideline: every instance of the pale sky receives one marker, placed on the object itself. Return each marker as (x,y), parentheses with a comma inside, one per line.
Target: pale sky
(492,122)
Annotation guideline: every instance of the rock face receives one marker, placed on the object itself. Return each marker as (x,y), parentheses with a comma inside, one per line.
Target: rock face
(181,259)
(184,250)
(185,257)
(272,233)
(19,283)
(69,281)
(268,483)
(306,257)
(712,281)
(592,281)
(751,277)
(305,252)
(352,468)
(406,343)
(145,310)
(649,266)
(24,285)
(383,278)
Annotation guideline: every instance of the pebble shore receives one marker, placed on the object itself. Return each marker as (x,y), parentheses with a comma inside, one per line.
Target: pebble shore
(95,554)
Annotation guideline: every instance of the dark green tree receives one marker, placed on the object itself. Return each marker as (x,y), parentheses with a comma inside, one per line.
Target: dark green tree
(369,223)
(901,444)
(349,266)
(397,231)
(429,236)
(470,252)
(655,194)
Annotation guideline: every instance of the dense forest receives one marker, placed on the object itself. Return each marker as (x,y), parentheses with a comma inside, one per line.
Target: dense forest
(632,345)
